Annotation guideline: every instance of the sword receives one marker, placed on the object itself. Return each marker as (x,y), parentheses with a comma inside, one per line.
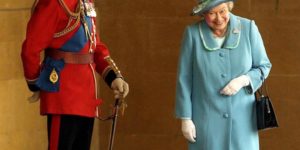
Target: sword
(119,103)
(114,124)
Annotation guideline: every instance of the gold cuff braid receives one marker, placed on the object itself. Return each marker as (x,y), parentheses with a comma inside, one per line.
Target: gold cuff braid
(114,67)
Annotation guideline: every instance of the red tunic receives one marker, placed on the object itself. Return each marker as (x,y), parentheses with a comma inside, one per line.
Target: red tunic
(77,93)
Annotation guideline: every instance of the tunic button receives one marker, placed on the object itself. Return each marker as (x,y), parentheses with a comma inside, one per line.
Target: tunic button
(221,54)
(225,115)
(223,75)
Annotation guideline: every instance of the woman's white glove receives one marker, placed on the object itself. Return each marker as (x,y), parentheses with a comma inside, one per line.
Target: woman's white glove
(120,88)
(34,97)
(235,85)
(188,130)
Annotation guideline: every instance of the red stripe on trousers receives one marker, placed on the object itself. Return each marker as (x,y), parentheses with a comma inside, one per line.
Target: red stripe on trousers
(54,133)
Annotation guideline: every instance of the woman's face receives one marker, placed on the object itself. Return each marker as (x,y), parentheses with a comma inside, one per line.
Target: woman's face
(217,18)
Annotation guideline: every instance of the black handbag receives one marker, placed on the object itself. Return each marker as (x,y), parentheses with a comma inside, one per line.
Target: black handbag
(266,117)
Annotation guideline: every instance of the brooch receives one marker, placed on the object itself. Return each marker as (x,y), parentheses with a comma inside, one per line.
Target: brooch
(53,76)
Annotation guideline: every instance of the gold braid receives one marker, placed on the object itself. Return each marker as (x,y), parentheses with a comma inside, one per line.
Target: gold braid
(87,31)
(73,15)
(79,15)
(70,13)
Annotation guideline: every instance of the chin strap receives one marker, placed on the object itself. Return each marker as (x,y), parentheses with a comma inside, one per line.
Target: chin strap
(34,5)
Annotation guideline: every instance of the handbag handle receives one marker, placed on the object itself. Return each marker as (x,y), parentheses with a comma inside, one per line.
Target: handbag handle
(263,89)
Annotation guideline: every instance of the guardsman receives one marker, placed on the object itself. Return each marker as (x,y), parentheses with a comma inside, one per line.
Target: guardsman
(65,79)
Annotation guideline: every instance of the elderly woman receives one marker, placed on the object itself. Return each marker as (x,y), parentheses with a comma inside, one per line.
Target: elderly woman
(218,73)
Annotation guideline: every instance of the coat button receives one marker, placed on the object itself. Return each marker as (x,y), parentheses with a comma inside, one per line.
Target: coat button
(221,54)
(225,115)
(223,75)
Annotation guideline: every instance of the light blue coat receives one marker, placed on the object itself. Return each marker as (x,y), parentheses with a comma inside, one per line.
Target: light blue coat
(222,122)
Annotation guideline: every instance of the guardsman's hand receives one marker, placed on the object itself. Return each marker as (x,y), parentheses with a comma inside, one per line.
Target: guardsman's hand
(34,97)
(120,88)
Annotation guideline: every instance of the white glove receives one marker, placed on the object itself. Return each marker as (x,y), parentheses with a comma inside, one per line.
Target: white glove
(188,130)
(120,88)
(34,97)
(235,85)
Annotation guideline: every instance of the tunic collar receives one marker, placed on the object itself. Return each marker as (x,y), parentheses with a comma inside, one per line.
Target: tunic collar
(232,36)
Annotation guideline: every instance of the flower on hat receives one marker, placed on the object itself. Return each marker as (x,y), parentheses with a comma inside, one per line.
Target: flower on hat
(200,6)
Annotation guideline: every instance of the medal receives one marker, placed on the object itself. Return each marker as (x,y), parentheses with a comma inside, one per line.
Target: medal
(53,76)
(90,9)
